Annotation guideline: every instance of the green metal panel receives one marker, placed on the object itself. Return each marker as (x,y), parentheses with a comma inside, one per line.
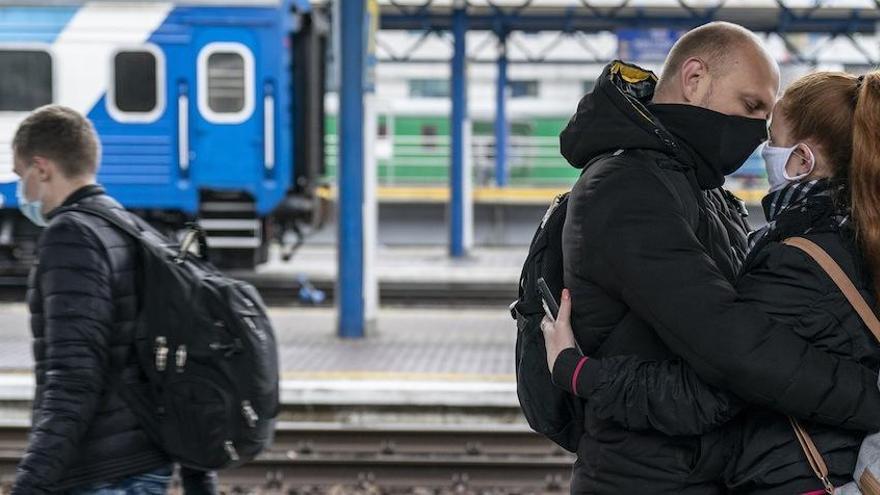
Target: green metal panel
(420,151)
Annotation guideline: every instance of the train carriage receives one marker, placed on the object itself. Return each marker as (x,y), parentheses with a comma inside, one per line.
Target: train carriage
(205,109)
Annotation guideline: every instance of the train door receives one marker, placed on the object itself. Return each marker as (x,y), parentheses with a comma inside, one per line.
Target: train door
(227,141)
(232,140)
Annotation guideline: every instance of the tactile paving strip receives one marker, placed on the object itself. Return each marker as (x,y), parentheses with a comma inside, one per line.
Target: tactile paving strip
(448,344)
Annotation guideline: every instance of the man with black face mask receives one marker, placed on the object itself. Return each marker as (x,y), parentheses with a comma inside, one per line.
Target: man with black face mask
(651,247)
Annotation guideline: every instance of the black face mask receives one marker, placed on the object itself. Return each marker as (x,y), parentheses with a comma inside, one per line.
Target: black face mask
(721,143)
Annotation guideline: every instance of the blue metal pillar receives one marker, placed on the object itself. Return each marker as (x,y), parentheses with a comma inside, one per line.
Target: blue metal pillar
(458,210)
(501,128)
(350,283)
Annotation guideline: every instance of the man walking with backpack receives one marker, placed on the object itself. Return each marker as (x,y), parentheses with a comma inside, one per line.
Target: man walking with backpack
(83,299)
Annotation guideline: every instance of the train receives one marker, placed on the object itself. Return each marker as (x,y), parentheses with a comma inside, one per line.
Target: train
(206,110)
(216,112)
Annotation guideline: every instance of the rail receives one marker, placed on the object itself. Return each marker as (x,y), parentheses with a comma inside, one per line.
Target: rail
(334,458)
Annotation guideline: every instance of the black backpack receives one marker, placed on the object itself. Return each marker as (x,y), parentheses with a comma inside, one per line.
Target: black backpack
(207,348)
(550,410)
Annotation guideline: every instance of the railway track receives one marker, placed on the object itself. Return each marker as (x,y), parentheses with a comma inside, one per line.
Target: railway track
(318,458)
(401,293)
(280,291)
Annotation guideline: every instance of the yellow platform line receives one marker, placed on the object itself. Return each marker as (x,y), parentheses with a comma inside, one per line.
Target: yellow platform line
(751,196)
(415,194)
(397,376)
(494,195)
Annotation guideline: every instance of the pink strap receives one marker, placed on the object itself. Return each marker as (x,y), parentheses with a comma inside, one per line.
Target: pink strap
(577,371)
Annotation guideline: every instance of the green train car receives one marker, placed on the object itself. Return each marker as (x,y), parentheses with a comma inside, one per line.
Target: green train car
(413,150)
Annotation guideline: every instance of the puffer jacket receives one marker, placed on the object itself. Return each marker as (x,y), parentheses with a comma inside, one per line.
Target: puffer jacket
(652,247)
(787,284)
(82,295)
(763,455)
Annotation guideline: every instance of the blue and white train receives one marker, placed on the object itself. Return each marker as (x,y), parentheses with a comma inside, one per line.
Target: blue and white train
(207,110)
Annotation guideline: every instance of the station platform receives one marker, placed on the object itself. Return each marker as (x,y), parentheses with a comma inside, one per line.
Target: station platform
(407,265)
(416,360)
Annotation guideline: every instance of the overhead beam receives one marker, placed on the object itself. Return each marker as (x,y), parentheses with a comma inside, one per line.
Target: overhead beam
(770,20)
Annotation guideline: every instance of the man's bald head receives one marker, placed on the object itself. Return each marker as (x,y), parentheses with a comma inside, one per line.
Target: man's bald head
(715,43)
(722,67)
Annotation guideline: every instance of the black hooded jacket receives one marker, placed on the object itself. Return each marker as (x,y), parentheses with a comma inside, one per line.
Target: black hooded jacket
(652,249)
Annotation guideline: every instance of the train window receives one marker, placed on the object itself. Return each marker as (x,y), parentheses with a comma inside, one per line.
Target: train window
(226,82)
(429,136)
(137,89)
(27,80)
(523,88)
(429,88)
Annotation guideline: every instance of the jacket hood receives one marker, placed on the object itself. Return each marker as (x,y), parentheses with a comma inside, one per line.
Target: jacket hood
(614,116)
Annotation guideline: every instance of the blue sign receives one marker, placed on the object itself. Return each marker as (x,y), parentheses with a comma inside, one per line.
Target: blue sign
(646,45)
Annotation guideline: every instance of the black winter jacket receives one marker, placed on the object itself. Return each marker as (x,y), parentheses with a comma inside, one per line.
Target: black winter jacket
(794,290)
(83,303)
(762,451)
(652,248)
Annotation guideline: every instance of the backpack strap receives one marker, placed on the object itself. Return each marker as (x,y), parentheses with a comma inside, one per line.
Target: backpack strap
(663,161)
(852,294)
(106,214)
(195,234)
(526,304)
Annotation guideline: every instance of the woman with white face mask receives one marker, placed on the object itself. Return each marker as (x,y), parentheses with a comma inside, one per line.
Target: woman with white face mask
(823,164)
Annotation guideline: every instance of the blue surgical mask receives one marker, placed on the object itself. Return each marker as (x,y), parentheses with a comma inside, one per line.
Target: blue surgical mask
(776,158)
(32,210)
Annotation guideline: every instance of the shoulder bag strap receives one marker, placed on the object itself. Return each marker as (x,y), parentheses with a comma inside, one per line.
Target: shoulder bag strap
(839,277)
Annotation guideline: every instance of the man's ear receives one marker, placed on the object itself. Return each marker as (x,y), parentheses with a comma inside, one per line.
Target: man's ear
(694,77)
(44,168)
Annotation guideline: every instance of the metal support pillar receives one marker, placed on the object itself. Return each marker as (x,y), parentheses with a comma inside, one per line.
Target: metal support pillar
(501,127)
(460,208)
(350,283)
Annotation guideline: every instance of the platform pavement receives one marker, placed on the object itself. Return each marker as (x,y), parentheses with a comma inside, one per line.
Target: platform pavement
(415,357)
(484,265)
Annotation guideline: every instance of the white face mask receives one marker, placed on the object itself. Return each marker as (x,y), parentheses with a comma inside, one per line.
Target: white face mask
(776,158)
(33,210)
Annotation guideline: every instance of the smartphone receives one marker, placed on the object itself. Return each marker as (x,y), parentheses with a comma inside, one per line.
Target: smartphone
(551,307)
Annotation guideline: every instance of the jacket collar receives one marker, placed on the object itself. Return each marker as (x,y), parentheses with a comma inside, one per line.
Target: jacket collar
(617,114)
(77,196)
(614,116)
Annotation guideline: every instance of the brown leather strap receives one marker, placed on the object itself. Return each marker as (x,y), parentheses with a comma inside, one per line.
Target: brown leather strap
(869,484)
(841,280)
(814,457)
(839,277)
